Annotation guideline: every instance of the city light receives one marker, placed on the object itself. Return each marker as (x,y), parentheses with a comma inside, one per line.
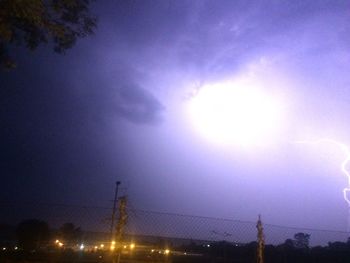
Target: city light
(132,246)
(166,252)
(112,245)
(58,243)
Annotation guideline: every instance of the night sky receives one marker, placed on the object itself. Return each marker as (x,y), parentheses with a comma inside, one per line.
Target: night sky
(115,107)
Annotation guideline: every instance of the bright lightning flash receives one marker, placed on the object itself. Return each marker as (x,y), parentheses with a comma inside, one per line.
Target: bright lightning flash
(345,162)
(236,113)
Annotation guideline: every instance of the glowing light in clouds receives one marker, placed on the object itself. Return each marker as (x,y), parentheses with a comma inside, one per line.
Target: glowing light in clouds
(237,112)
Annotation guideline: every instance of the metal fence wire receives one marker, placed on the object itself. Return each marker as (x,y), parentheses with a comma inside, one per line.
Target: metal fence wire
(149,225)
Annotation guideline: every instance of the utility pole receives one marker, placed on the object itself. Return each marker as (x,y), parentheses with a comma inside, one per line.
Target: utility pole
(261,242)
(114,207)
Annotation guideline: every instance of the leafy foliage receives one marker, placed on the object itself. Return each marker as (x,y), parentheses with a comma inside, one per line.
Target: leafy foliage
(33,22)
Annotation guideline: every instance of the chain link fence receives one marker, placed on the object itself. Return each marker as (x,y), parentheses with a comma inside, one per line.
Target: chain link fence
(161,225)
(188,235)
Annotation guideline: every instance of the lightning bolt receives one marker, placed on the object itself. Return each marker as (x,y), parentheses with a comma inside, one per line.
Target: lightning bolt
(345,149)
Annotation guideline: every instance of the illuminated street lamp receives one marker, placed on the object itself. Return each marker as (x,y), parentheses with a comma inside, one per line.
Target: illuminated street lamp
(112,245)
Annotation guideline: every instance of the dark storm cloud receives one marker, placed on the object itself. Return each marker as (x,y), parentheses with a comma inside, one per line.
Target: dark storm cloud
(120,91)
(207,38)
(65,119)
(138,105)
(223,36)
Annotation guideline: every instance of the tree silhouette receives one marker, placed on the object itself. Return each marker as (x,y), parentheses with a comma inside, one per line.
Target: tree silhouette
(32,233)
(289,243)
(7,234)
(301,240)
(69,233)
(33,22)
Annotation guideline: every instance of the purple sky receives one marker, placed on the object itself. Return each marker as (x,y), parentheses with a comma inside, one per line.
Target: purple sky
(114,108)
